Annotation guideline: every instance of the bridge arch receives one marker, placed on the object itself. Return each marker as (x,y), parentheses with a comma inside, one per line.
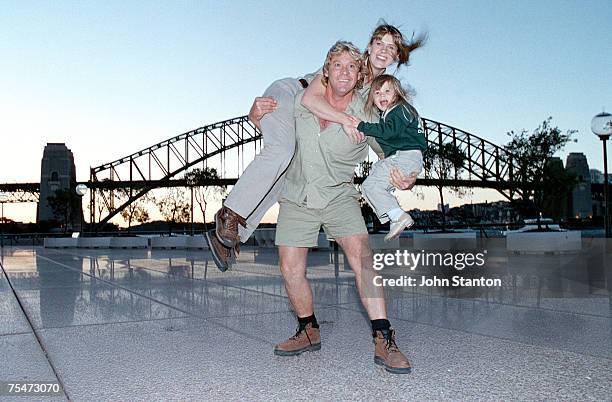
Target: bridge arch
(488,165)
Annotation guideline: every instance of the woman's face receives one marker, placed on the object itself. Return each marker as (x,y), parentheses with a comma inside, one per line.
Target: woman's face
(383,52)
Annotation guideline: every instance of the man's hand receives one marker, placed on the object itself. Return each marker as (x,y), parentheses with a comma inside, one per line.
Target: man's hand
(401,180)
(354,135)
(261,106)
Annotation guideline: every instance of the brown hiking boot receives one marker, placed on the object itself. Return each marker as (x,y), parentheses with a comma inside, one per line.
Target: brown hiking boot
(223,256)
(387,354)
(227,226)
(305,340)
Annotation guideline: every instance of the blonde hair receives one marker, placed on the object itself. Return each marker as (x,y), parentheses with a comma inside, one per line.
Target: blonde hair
(337,49)
(400,93)
(404,48)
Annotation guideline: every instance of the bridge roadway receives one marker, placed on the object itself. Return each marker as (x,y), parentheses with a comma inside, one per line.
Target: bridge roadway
(34,188)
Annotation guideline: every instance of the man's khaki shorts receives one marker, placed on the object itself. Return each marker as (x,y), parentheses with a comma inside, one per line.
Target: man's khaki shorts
(298,226)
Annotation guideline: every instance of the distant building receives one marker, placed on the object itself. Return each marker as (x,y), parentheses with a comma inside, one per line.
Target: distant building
(57,172)
(597,176)
(581,204)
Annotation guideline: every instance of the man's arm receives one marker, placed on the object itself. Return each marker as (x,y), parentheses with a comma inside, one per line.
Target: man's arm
(260,107)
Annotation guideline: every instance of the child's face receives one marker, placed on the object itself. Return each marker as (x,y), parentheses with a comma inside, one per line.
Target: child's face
(384,97)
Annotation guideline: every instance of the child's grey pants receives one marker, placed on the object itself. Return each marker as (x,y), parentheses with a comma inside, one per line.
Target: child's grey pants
(378,191)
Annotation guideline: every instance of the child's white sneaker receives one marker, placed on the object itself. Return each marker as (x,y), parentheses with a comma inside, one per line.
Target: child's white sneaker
(404,222)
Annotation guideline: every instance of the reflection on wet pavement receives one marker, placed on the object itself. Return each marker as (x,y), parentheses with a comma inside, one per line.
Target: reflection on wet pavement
(556,307)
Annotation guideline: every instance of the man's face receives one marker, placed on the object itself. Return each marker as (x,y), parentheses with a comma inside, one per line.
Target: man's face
(343,73)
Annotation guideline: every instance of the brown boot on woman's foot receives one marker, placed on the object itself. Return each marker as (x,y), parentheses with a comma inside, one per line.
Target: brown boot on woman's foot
(227,222)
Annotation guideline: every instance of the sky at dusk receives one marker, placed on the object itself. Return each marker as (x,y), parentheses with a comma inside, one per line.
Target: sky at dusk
(110,78)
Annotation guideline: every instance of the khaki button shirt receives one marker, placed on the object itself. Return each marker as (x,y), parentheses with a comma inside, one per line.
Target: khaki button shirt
(325,161)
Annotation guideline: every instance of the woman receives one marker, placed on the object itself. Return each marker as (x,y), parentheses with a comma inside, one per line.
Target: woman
(261,182)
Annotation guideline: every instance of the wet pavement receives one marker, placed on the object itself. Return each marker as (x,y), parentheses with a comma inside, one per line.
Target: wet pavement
(167,325)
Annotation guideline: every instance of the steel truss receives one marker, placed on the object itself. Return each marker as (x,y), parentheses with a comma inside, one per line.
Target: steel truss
(165,163)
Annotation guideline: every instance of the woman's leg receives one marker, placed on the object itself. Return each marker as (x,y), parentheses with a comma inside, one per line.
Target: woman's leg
(260,184)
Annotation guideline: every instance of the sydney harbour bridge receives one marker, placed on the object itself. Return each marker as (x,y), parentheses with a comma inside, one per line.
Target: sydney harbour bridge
(230,145)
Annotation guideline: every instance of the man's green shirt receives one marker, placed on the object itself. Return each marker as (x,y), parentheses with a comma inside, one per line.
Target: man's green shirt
(325,161)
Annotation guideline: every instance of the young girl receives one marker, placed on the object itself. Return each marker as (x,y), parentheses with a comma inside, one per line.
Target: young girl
(399,134)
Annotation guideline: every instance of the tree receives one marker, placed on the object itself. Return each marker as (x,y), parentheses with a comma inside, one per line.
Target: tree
(64,203)
(136,211)
(440,161)
(556,189)
(531,154)
(203,192)
(174,206)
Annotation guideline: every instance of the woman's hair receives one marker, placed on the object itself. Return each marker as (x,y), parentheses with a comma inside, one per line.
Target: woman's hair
(404,48)
(401,94)
(337,49)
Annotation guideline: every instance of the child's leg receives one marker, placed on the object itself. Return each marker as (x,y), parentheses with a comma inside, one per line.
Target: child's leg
(409,162)
(377,190)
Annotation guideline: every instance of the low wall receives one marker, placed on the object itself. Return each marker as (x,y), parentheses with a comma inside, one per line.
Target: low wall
(60,242)
(168,242)
(179,242)
(129,242)
(445,241)
(377,242)
(544,242)
(94,242)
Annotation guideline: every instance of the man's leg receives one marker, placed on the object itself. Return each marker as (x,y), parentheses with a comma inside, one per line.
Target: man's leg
(386,353)
(293,269)
(359,255)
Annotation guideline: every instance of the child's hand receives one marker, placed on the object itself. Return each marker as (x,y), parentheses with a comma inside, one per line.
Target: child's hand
(354,135)
(355,120)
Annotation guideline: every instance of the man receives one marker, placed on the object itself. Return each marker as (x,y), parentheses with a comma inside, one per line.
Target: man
(319,191)
(263,180)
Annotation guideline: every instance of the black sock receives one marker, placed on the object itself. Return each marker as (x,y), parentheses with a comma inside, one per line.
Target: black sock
(305,320)
(380,325)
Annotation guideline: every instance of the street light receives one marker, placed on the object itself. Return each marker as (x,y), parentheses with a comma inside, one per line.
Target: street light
(601,125)
(3,199)
(81,190)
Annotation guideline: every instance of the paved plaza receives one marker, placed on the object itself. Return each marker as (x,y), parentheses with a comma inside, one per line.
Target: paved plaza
(167,325)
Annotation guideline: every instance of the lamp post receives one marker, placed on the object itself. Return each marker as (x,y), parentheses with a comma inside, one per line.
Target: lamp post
(3,199)
(81,190)
(601,125)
